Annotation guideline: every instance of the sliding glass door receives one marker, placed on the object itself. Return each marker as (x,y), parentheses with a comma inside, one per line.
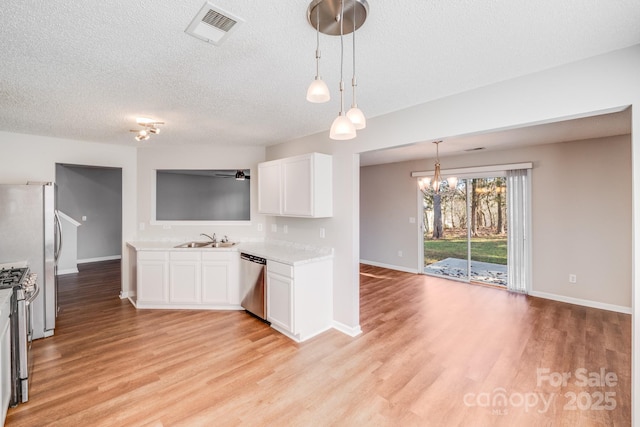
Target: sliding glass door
(465,231)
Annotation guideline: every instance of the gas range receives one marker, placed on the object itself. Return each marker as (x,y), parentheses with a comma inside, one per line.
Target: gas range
(17,277)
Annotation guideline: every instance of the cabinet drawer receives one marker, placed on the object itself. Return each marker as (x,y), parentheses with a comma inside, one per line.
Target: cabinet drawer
(152,255)
(280,268)
(218,256)
(184,256)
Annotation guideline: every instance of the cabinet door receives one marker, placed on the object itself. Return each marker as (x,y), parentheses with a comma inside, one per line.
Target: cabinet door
(269,190)
(5,367)
(152,280)
(297,179)
(184,281)
(280,301)
(215,282)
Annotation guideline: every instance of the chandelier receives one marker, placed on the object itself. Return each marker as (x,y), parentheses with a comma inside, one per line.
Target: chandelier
(435,184)
(329,17)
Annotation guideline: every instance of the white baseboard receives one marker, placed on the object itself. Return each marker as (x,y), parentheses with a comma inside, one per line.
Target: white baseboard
(389,266)
(125,295)
(98,259)
(67,271)
(352,331)
(583,302)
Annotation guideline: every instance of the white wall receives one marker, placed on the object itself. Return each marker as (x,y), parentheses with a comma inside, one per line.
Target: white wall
(195,157)
(581,206)
(596,84)
(35,159)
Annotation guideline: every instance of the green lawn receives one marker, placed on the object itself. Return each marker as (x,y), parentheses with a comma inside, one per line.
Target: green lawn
(486,248)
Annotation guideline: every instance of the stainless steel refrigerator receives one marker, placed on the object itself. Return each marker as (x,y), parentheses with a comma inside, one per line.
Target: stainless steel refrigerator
(30,233)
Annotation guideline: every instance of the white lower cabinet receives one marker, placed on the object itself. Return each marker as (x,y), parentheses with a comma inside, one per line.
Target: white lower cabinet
(300,298)
(5,360)
(153,277)
(220,282)
(187,279)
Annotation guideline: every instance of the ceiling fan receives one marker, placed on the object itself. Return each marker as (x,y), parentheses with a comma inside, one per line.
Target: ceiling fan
(240,175)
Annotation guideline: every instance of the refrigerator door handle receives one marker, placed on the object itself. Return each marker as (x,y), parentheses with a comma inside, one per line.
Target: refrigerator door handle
(59,237)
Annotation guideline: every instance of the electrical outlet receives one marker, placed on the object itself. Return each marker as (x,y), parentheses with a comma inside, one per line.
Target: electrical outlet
(400,254)
(141,226)
(573,278)
(260,227)
(274,228)
(322,232)
(84,217)
(166,227)
(285,229)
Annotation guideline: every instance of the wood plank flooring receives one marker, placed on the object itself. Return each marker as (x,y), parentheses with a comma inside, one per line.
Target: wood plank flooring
(432,353)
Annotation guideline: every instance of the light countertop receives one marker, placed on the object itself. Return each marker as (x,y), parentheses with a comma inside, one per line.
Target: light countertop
(274,250)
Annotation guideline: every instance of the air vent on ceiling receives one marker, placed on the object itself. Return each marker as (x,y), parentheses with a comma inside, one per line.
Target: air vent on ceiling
(213,24)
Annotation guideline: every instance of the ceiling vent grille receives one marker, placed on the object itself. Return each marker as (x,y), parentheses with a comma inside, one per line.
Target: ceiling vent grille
(213,24)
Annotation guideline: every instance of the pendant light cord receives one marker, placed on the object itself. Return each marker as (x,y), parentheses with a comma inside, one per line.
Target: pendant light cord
(341,56)
(353,80)
(317,41)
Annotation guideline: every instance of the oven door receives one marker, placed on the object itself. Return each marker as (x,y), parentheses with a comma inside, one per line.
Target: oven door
(24,341)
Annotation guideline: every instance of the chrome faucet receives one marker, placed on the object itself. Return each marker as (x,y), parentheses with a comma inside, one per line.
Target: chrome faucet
(213,239)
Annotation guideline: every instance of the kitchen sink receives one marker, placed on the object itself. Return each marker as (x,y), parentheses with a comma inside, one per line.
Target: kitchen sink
(194,245)
(222,244)
(206,245)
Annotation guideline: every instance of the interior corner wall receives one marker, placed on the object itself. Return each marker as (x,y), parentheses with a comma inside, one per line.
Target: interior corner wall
(581,218)
(578,89)
(96,194)
(41,154)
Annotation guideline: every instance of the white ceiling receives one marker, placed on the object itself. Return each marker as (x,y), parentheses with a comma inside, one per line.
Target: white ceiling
(84,70)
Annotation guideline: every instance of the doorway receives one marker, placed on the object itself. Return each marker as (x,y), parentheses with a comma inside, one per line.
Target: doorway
(464,230)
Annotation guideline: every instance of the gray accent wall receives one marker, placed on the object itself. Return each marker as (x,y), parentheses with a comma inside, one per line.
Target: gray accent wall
(94,192)
(581,214)
(187,195)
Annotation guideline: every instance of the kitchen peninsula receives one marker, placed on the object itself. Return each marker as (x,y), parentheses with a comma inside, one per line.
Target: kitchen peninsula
(299,282)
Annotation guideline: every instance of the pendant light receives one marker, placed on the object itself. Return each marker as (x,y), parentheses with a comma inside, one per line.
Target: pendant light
(355,114)
(318,91)
(436,183)
(322,15)
(342,127)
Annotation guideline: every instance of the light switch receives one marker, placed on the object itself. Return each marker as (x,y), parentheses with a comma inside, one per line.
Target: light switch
(84,217)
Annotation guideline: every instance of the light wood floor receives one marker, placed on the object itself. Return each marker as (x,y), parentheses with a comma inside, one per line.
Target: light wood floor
(432,353)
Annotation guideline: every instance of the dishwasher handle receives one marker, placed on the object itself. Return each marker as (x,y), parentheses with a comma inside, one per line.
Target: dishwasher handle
(253,258)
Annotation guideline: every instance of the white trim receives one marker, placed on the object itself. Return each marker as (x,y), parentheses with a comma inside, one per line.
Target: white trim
(98,259)
(67,271)
(132,301)
(389,266)
(68,218)
(473,171)
(173,306)
(352,331)
(582,302)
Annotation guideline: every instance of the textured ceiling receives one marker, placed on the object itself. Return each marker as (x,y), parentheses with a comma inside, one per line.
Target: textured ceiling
(84,70)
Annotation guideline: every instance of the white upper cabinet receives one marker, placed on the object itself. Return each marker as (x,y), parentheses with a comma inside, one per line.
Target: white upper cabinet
(269,189)
(299,186)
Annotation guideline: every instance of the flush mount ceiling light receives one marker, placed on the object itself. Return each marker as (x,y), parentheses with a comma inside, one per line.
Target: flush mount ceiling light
(329,17)
(149,126)
(435,184)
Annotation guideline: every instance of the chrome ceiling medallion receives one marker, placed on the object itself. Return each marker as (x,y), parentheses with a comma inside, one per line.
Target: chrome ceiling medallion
(324,15)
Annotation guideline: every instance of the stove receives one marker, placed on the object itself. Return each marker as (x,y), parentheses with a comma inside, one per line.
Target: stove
(12,277)
(24,291)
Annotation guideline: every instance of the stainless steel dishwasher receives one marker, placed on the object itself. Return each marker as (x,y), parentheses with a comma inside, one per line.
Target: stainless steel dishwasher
(253,283)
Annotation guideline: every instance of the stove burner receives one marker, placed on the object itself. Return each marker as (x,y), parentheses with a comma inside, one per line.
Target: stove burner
(10,277)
